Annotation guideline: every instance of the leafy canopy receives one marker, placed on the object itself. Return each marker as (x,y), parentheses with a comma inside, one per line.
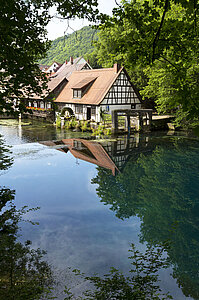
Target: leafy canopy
(23,42)
(157,41)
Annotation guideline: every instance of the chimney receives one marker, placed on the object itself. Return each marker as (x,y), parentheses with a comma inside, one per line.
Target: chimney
(66,62)
(71,60)
(116,68)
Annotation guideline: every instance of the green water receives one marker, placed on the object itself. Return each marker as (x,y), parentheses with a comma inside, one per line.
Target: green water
(96,200)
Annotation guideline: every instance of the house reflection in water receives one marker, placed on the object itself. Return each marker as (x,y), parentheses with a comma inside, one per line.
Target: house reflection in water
(108,154)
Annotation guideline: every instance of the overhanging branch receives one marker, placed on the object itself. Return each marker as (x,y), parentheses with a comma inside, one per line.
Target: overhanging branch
(159,29)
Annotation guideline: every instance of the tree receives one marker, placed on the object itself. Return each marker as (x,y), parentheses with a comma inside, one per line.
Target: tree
(23,42)
(78,43)
(157,41)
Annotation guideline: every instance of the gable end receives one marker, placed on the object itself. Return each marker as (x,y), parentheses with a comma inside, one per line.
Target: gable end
(121,92)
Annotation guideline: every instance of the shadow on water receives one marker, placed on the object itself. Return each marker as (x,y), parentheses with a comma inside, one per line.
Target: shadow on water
(28,131)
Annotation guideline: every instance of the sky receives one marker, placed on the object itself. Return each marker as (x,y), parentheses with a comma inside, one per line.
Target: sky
(57,28)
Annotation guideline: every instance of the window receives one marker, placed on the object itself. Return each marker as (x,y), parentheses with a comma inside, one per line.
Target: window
(41,104)
(35,104)
(79,109)
(29,104)
(48,105)
(93,110)
(77,93)
(107,107)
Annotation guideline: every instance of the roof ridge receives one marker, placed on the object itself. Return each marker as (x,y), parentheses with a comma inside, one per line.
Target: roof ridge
(96,70)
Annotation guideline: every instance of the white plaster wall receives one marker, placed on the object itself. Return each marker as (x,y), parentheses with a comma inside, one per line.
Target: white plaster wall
(52,67)
(124,106)
(83,116)
(97,118)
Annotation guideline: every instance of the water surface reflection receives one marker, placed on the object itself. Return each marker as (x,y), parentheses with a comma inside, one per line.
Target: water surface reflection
(158,182)
(150,182)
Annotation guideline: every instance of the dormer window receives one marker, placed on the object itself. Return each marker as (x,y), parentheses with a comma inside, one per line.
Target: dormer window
(81,88)
(77,93)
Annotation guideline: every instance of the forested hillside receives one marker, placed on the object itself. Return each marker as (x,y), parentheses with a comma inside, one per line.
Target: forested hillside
(79,43)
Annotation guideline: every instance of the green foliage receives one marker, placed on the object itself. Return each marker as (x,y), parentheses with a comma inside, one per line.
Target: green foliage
(58,122)
(101,130)
(24,273)
(24,42)
(157,42)
(85,126)
(108,131)
(71,123)
(84,9)
(142,283)
(79,43)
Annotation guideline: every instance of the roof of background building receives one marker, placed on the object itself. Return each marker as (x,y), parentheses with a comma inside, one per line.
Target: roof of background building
(64,72)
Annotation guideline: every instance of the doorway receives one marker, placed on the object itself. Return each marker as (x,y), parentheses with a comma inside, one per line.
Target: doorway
(88,113)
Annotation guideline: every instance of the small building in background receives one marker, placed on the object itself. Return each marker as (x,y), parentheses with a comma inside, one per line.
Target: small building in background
(54,67)
(57,82)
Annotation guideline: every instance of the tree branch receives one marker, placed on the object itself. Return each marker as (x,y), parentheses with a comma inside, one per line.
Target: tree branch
(195,16)
(159,29)
(117,4)
(169,62)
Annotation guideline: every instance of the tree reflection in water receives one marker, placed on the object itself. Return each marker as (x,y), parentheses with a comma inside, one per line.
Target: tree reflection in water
(23,272)
(161,187)
(141,283)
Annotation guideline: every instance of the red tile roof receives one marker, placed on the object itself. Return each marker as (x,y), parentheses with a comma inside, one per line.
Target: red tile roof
(95,95)
(84,82)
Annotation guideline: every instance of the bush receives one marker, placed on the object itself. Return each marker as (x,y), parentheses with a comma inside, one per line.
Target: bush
(101,130)
(71,123)
(85,126)
(58,122)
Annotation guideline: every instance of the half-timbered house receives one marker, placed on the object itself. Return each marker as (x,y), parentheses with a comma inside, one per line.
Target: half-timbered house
(54,67)
(91,92)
